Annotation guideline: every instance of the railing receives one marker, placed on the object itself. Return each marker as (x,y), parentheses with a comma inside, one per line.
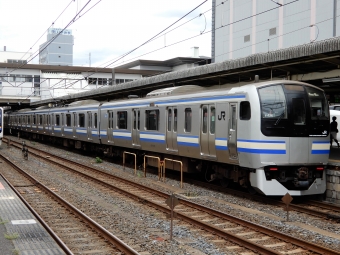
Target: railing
(159,165)
(165,159)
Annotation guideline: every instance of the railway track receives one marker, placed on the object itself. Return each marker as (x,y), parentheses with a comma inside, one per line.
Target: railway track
(220,228)
(312,207)
(74,231)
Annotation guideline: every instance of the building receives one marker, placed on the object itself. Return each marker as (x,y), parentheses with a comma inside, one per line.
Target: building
(58,49)
(32,82)
(14,57)
(245,27)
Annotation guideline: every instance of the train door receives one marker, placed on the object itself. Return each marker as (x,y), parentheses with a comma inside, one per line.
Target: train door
(89,125)
(207,134)
(171,129)
(232,141)
(297,109)
(136,127)
(74,128)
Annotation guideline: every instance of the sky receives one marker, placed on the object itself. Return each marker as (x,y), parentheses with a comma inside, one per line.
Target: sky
(108,29)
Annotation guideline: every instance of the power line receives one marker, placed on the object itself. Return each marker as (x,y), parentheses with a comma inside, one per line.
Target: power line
(189,38)
(49,27)
(61,31)
(125,54)
(216,29)
(155,37)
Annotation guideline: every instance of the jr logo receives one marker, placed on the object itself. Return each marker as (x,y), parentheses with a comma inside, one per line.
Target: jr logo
(222,115)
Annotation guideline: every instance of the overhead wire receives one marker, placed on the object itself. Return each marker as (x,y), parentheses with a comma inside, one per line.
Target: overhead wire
(48,27)
(149,40)
(189,38)
(72,83)
(238,48)
(228,25)
(52,39)
(152,38)
(72,21)
(39,39)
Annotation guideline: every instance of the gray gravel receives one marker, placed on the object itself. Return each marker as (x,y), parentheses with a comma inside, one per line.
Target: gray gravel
(133,220)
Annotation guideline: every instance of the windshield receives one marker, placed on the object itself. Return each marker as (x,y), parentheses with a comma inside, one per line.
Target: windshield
(293,110)
(273,102)
(318,104)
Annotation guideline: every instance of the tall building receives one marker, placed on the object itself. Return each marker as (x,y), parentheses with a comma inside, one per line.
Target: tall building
(245,27)
(58,49)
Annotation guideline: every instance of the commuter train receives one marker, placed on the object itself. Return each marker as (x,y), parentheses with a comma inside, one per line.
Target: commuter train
(2,129)
(271,137)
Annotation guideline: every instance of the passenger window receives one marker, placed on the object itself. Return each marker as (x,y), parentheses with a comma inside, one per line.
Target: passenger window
(205,121)
(169,119)
(245,112)
(122,120)
(110,113)
(40,119)
(212,120)
(152,119)
(175,120)
(89,120)
(95,120)
(68,120)
(34,120)
(57,120)
(74,119)
(299,111)
(138,120)
(28,119)
(134,119)
(187,120)
(81,120)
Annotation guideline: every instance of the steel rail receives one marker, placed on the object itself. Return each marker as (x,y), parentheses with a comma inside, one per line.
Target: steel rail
(253,246)
(61,244)
(100,230)
(267,200)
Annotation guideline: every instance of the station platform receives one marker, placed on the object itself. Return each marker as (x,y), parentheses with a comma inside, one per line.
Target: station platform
(20,232)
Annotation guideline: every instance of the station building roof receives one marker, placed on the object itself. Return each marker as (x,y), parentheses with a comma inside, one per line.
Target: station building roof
(311,62)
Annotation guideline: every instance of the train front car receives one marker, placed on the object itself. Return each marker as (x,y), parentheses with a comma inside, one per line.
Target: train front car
(292,152)
(2,129)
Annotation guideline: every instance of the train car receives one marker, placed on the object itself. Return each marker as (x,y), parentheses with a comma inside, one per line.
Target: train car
(2,128)
(272,136)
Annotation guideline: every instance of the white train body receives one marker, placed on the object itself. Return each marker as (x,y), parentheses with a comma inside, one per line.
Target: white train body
(272,136)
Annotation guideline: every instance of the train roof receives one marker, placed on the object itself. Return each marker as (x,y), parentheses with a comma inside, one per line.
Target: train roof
(176,90)
(272,82)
